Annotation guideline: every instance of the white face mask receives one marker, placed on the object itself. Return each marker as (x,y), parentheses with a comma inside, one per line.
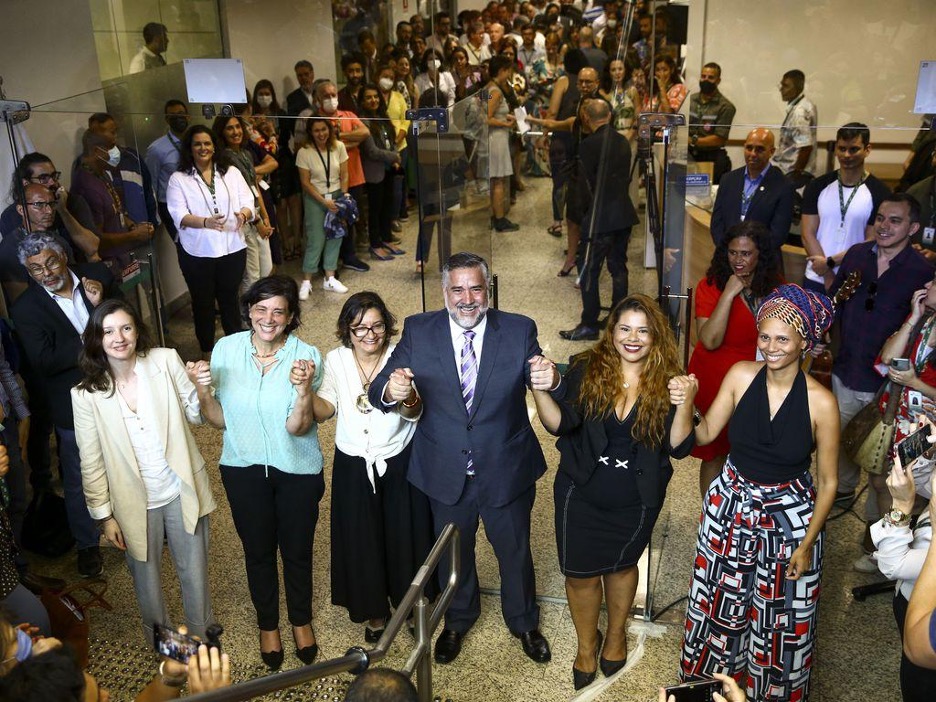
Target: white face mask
(433,64)
(612,23)
(330,104)
(264,100)
(385,84)
(113,157)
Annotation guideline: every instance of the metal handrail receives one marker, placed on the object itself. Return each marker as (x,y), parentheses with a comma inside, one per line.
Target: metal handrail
(359,659)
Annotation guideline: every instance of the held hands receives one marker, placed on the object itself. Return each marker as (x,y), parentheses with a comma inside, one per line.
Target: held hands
(199,372)
(94,290)
(543,373)
(303,370)
(683,389)
(400,385)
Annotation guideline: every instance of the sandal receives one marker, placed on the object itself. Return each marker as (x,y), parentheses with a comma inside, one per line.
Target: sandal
(565,270)
(554,230)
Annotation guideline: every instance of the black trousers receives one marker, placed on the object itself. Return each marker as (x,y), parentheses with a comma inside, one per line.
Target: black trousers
(916,683)
(380,210)
(211,281)
(610,247)
(273,510)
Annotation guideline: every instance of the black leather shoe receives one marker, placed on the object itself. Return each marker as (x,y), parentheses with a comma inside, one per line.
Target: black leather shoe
(36,583)
(582,679)
(90,564)
(580,333)
(373,635)
(448,646)
(307,654)
(356,264)
(609,668)
(505,225)
(535,645)
(272,659)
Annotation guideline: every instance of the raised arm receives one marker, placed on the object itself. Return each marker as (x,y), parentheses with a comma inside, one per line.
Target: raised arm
(918,626)
(200,374)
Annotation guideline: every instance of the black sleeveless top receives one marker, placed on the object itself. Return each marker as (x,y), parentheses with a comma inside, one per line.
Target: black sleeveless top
(771,451)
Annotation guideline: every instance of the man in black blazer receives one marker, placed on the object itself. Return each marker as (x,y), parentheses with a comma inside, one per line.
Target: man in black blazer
(755,191)
(605,158)
(49,318)
(464,372)
(302,98)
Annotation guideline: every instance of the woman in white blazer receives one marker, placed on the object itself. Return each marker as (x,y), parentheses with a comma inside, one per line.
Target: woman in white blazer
(141,471)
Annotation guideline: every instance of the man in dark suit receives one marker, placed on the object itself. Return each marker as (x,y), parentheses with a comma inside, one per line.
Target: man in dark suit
(50,317)
(302,98)
(605,158)
(464,372)
(755,191)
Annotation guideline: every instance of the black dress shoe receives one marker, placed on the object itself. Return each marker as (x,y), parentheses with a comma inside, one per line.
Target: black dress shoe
(505,225)
(272,659)
(609,668)
(580,333)
(448,646)
(582,679)
(373,635)
(90,564)
(535,645)
(307,654)
(36,583)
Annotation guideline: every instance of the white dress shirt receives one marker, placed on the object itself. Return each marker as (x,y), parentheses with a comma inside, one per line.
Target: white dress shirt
(375,436)
(188,194)
(458,341)
(74,307)
(900,552)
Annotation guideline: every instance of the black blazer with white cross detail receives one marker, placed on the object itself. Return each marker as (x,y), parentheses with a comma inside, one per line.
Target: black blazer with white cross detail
(582,440)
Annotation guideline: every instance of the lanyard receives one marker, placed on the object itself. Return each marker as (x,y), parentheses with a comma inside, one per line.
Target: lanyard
(790,109)
(747,194)
(843,205)
(326,166)
(175,142)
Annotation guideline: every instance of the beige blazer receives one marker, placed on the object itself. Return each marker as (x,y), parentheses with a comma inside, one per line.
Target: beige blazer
(110,475)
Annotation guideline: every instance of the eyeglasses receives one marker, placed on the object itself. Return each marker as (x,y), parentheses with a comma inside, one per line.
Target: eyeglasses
(872,291)
(42,205)
(51,266)
(360,332)
(46,177)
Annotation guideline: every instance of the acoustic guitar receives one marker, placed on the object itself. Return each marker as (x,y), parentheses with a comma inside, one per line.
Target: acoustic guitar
(820,367)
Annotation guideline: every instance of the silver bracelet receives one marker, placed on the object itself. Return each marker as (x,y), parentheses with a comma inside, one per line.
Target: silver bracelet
(170,681)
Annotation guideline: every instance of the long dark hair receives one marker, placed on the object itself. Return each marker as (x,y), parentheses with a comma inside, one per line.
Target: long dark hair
(264,84)
(98,376)
(187,161)
(767,271)
(378,122)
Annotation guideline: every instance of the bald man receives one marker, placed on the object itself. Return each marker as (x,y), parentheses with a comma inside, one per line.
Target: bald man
(755,191)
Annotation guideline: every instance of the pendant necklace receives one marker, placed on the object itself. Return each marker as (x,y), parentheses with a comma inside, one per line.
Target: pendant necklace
(362,403)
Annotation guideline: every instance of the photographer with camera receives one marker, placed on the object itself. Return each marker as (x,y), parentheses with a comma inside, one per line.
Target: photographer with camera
(901,551)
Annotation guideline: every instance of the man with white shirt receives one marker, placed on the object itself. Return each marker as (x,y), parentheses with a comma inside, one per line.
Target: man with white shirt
(464,371)
(155,43)
(796,152)
(478,51)
(50,317)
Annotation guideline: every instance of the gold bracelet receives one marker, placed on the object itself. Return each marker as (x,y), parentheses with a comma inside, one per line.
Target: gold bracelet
(413,404)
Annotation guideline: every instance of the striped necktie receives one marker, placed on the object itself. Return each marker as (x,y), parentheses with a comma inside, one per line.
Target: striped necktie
(469,374)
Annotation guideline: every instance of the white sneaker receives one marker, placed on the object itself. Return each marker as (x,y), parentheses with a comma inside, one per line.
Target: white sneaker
(866,564)
(305,289)
(334,285)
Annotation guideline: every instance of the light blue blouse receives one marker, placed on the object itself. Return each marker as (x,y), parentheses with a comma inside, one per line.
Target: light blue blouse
(256,406)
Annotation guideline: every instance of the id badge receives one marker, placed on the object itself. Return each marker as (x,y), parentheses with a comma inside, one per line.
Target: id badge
(255,191)
(915,401)
(264,185)
(929,233)
(328,196)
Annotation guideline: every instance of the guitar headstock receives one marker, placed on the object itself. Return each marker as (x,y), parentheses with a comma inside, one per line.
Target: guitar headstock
(848,288)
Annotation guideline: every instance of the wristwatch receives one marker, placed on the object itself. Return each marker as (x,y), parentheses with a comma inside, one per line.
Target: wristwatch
(830,263)
(896,518)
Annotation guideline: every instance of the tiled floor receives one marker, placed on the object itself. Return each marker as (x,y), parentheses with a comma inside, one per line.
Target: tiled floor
(857,655)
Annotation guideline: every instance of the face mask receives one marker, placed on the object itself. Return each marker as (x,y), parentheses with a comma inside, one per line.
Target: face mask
(113,157)
(264,100)
(706,87)
(433,64)
(612,23)
(178,124)
(330,104)
(23,645)
(385,84)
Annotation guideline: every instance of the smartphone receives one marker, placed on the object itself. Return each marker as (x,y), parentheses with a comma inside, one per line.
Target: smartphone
(914,446)
(901,364)
(172,644)
(701,691)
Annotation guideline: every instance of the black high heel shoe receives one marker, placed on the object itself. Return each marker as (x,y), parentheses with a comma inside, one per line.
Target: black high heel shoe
(609,668)
(272,659)
(306,654)
(581,679)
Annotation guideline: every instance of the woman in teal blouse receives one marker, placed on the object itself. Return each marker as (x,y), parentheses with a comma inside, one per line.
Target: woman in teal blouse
(264,400)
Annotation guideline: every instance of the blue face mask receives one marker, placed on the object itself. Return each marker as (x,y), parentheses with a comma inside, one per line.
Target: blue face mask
(23,645)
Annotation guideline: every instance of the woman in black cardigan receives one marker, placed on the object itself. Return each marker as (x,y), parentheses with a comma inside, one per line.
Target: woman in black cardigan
(613,470)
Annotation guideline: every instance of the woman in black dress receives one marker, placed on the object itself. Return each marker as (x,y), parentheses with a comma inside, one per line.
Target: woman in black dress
(613,471)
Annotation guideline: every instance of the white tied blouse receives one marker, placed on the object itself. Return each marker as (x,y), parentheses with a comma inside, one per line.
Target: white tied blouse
(375,436)
(187,193)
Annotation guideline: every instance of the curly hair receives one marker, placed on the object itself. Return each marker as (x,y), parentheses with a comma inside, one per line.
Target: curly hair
(353,311)
(766,275)
(603,381)
(98,376)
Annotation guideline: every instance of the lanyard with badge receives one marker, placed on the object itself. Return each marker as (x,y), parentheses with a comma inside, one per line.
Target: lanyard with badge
(843,204)
(327,167)
(747,194)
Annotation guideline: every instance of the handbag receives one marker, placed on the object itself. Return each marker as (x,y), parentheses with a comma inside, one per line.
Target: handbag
(45,526)
(68,615)
(868,437)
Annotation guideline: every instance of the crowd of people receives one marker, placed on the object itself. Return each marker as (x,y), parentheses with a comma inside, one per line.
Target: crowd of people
(433,428)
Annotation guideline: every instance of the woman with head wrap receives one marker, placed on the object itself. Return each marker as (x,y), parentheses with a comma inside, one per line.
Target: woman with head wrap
(755,587)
